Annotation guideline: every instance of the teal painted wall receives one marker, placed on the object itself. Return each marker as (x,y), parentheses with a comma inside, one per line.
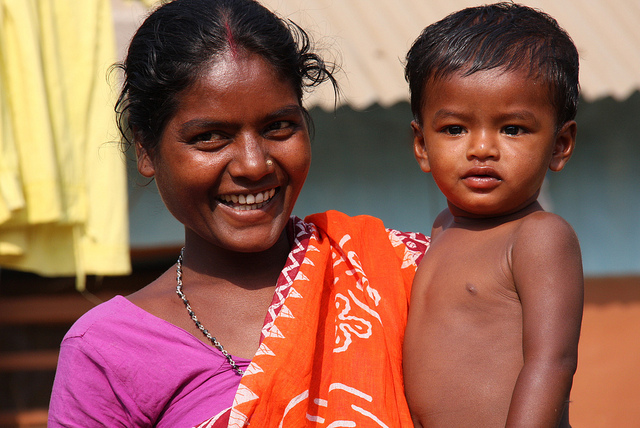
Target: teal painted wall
(599,190)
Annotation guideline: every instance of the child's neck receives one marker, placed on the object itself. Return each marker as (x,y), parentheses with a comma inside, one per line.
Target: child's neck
(465,219)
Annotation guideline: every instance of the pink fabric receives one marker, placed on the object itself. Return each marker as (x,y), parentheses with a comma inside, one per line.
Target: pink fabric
(123,367)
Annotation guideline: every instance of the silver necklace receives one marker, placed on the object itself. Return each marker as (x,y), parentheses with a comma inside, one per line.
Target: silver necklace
(192,314)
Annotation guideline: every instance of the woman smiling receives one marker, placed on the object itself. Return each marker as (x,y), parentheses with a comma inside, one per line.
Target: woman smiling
(265,318)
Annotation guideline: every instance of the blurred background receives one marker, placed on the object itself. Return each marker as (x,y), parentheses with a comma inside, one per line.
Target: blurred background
(78,225)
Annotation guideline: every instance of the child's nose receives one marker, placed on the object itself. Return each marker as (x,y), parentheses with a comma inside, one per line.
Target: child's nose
(483,146)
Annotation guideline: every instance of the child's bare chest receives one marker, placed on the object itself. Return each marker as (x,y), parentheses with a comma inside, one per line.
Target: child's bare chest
(470,268)
(464,298)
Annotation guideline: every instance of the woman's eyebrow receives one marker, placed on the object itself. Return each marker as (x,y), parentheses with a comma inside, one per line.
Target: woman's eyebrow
(284,111)
(197,124)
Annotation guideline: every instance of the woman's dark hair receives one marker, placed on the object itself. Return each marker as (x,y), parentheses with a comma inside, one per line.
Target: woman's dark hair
(181,38)
(501,35)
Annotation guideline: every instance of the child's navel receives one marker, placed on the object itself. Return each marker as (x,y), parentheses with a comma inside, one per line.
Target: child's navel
(471,288)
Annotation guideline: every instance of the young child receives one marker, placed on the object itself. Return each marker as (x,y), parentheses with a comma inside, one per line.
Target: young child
(496,305)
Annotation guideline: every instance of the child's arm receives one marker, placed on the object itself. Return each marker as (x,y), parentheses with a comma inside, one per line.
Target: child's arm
(547,269)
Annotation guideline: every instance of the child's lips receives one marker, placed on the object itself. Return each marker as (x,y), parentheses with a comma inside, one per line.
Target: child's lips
(482,178)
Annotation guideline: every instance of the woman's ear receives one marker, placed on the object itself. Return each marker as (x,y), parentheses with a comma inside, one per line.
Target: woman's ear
(563,146)
(419,147)
(145,161)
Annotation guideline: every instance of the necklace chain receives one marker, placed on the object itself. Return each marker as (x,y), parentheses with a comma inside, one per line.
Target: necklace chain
(192,314)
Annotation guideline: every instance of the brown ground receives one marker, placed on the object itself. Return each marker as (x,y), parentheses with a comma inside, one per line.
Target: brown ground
(606,388)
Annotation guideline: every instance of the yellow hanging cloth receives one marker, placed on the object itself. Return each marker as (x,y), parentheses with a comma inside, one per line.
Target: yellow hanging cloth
(63,206)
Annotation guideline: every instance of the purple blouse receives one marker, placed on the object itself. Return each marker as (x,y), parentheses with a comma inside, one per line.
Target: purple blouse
(120,366)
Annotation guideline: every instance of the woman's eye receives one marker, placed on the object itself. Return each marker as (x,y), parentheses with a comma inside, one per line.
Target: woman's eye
(281,129)
(280,124)
(208,136)
(209,140)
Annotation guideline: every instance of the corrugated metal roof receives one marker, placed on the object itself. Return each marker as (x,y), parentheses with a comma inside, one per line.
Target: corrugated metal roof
(369,38)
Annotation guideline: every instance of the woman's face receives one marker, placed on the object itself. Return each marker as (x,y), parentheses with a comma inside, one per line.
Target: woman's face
(231,162)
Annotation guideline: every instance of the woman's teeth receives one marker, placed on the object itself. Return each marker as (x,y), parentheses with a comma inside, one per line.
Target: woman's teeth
(248,202)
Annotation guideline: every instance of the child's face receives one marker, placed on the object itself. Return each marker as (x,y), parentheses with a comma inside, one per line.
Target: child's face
(488,140)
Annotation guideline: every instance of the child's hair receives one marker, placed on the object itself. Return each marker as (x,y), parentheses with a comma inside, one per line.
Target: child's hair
(182,38)
(502,35)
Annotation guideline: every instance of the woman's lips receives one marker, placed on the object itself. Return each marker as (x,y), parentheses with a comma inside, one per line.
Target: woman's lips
(249,201)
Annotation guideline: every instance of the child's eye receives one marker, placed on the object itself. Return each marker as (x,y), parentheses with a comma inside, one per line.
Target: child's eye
(453,130)
(513,130)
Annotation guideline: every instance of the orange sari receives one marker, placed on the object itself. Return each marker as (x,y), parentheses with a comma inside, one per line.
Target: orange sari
(331,356)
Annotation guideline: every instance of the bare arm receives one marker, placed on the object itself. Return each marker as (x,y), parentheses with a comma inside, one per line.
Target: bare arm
(547,269)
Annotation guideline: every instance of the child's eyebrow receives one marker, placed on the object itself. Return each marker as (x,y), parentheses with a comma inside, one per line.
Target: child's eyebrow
(445,113)
(520,115)
(511,115)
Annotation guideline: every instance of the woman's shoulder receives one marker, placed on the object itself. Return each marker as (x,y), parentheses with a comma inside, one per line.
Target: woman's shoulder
(117,354)
(120,320)
(104,315)
(371,231)
(332,217)
(118,329)
(361,222)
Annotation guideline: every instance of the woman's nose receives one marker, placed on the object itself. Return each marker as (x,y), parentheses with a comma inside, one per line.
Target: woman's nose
(483,146)
(251,159)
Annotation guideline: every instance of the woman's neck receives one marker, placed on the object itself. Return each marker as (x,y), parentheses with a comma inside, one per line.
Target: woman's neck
(246,270)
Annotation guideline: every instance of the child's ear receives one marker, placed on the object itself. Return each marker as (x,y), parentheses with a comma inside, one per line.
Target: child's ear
(145,161)
(419,147)
(563,146)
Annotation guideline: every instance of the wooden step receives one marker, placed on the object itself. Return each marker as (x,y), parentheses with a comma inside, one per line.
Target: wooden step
(32,418)
(29,360)
(47,309)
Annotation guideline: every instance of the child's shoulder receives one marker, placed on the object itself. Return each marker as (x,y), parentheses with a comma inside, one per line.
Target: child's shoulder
(544,221)
(544,228)
(442,221)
